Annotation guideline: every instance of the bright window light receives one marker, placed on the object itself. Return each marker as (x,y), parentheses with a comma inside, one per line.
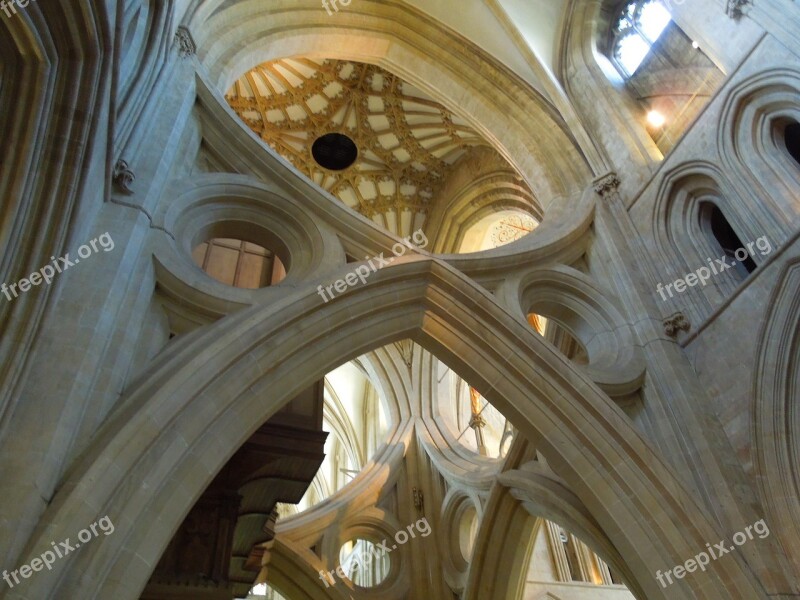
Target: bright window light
(638,27)
(656,119)
(631,51)
(654,20)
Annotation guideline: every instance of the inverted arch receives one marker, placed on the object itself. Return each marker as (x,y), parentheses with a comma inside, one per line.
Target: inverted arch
(178,427)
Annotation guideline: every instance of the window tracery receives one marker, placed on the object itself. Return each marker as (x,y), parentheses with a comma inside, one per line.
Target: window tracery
(637,28)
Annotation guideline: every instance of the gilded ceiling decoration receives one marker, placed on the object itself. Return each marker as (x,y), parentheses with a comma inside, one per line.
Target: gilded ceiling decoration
(376,142)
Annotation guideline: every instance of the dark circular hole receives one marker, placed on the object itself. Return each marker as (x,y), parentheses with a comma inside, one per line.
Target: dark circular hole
(334,151)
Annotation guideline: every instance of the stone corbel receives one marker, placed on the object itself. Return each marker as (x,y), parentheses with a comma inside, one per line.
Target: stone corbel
(185,41)
(675,323)
(123,177)
(607,185)
(735,8)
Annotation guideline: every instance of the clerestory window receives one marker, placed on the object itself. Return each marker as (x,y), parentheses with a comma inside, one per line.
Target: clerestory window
(638,27)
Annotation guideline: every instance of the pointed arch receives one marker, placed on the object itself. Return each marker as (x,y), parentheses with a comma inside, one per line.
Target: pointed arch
(176,429)
(776,417)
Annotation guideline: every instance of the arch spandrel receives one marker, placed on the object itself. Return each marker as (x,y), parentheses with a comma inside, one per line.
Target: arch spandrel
(177,428)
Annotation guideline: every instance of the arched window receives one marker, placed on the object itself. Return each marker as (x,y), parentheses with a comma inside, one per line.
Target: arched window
(638,27)
(714,221)
(791,136)
(572,555)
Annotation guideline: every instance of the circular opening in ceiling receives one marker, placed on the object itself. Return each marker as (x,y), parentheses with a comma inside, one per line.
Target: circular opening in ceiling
(334,151)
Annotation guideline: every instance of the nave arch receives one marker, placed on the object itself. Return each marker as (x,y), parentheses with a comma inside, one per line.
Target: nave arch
(179,425)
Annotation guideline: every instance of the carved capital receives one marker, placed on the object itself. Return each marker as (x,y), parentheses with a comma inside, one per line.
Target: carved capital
(675,323)
(607,185)
(735,8)
(123,177)
(185,41)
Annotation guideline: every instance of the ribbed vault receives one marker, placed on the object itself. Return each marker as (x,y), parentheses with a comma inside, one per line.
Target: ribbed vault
(495,103)
(408,145)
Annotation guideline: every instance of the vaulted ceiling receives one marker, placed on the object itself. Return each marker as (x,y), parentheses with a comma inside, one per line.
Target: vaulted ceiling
(390,147)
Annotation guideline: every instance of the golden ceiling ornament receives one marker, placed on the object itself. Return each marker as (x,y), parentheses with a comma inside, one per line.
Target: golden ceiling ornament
(407,142)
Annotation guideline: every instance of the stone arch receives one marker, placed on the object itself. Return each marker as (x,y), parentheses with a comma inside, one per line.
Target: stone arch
(462,466)
(597,90)
(480,186)
(683,242)
(291,569)
(177,427)
(776,418)
(749,137)
(580,305)
(147,38)
(541,494)
(507,529)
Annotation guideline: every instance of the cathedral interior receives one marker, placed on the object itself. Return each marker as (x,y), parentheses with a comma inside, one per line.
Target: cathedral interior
(400,299)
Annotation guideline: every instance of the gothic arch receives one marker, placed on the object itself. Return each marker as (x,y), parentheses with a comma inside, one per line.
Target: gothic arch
(749,141)
(196,407)
(47,96)
(776,418)
(480,187)
(595,87)
(507,530)
(142,57)
(681,239)
(295,571)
